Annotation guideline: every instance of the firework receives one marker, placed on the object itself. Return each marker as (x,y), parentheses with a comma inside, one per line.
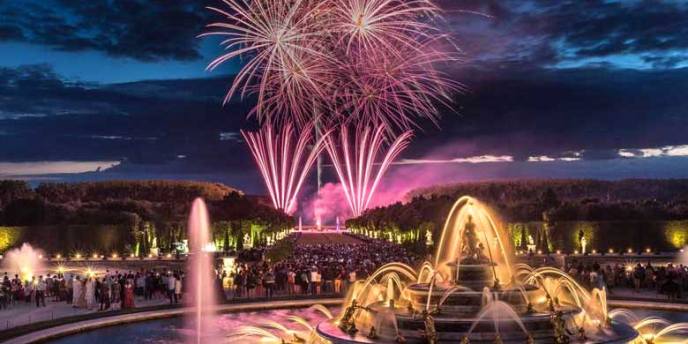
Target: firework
(283,160)
(333,61)
(395,90)
(356,164)
(274,34)
(368,64)
(382,26)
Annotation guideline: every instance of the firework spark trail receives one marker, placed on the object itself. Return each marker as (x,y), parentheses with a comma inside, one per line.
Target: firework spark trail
(357,169)
(283,163)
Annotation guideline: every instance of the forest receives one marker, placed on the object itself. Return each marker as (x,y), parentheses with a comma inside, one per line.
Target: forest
(129,216)
(552,212)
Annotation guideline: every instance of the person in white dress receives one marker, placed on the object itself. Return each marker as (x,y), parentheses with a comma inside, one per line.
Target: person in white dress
(90,293)
(76,287)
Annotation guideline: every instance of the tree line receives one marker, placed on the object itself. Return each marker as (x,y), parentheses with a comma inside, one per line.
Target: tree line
(546,201)
(148,213)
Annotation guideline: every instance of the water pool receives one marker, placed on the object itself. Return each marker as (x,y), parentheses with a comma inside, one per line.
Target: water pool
(175,331)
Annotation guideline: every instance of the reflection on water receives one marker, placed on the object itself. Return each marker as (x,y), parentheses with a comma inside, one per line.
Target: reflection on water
(175,330)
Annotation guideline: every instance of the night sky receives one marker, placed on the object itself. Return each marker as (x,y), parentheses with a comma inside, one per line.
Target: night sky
(556,89)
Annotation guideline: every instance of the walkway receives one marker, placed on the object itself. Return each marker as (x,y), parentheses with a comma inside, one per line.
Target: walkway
(22,314)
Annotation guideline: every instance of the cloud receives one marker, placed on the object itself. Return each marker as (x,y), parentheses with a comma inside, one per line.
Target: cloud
(481,159)
(668,151)
(28,169)
(654,34)
(575,117)
(139,29)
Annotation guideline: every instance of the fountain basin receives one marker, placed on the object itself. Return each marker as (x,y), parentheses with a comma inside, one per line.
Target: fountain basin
(454,330)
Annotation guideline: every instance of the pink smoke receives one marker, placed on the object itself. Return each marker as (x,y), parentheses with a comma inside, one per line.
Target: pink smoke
(329,203)
(426,171)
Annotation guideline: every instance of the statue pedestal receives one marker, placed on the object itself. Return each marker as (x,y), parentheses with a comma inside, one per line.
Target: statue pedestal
(474,276)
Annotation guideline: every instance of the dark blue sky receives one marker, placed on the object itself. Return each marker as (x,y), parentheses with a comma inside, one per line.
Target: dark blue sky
(556,89)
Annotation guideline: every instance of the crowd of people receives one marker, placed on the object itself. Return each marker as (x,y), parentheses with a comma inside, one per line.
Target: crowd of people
(313,268)
(92,291)
(670,280)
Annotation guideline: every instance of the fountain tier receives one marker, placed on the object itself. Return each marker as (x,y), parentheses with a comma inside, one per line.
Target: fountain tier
(471,293)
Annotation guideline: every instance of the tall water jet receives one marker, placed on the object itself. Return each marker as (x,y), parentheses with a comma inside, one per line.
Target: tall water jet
(471,236)
(200,269)
(25,261)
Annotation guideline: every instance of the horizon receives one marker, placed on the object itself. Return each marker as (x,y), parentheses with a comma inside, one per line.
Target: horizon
(566,90)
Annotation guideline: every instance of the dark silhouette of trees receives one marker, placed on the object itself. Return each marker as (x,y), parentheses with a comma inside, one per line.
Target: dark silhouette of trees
(552,204)
(143,211)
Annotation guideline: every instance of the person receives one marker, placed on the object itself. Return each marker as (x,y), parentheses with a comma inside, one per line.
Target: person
(105,295)
(28,289)
(352,278)
(3,298)
(251,283)
(40,291)
(638,276)
(116,292)
(171,282)
(304,281)
(239,284)
(177,288)
(90,294)
(338,281)
(62,289)
(269,283)
(313,280)
(318,282)
(128,301)
(76,291)
(291,282)
(15,287)
(140,284)
(148,286)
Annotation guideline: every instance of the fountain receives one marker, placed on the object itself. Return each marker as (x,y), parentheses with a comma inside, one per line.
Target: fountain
(472,292)
(25,260)
(200,268)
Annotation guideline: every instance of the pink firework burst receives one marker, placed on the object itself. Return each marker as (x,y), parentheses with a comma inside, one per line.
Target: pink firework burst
(369,60)
(395,90)
(272,34)
(284,160)
(382,26)
(355,158)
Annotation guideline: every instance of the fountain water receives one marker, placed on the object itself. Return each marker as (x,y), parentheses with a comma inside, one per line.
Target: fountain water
(24,260)
(471,292)
(200,268)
